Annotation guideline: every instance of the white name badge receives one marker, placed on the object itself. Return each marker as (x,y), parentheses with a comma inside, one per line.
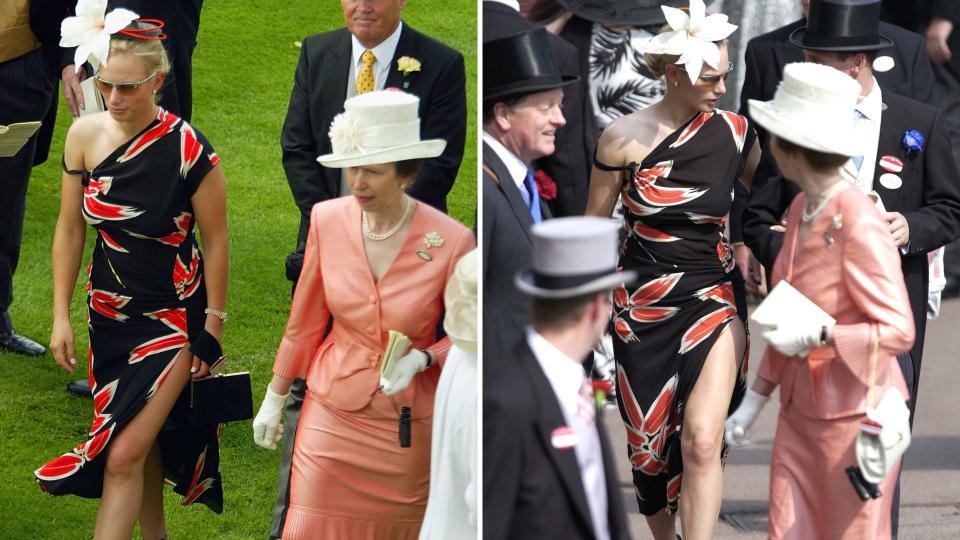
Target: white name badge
(890,181)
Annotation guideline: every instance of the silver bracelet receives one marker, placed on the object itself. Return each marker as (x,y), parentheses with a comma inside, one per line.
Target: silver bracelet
(222,315)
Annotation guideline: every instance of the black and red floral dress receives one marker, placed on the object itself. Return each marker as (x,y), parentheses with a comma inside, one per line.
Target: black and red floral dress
(146,300)
(676,203)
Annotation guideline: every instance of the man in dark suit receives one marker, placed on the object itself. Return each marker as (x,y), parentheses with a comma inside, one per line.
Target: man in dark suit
(26,96)
(569,166)
(939,21)
(326,76)
(334,66)
(547,470)
(522,96)
(909,75)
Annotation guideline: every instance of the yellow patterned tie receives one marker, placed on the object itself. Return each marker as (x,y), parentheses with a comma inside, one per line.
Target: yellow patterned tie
(365,78)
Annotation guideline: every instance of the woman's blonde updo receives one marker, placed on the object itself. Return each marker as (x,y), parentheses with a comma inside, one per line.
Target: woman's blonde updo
(150,52)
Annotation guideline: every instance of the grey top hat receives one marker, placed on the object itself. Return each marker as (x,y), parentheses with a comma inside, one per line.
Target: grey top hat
(621,12)
(573,256)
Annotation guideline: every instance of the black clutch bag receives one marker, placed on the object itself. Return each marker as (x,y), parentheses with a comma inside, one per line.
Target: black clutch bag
(220,398)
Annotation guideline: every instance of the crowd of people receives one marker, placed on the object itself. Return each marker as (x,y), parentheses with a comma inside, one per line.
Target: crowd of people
(619,201)
(372,144)
(834,188)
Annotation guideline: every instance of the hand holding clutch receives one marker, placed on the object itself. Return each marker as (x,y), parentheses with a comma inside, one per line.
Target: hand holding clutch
(403,371)
(793,338)
(738,428)
(266,425)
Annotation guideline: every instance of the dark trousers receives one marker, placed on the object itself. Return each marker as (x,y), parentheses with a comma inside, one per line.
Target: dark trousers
(27,91)
(291,417)
(948,85)
(906,366)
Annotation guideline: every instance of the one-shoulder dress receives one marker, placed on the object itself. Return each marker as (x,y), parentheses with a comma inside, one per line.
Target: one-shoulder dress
(676,203)
(146,301)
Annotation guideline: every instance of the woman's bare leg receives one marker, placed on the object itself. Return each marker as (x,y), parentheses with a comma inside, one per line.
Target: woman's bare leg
(663,526)
(152,525)
(123,478)
(702,435)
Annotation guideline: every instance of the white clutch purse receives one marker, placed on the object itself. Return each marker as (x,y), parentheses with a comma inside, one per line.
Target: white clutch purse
(786,302)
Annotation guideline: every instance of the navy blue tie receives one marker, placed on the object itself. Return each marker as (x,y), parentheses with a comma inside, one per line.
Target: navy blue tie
(533,197)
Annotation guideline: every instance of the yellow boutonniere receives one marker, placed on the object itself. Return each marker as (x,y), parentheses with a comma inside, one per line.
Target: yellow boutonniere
(408,64)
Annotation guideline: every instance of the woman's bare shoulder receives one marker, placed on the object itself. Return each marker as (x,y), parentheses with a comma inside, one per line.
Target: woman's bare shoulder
(629,137)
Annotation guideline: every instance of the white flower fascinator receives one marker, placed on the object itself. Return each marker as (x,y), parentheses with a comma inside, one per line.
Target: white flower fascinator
(90,30)
(692,37)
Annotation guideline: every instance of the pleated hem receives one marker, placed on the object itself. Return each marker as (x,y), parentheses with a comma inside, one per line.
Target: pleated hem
(303,524)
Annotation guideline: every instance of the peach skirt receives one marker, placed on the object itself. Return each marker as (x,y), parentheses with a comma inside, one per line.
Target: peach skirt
(351,479)
(810,494)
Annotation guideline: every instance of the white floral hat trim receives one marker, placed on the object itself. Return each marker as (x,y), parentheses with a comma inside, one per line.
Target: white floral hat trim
(692,37)
(90,30)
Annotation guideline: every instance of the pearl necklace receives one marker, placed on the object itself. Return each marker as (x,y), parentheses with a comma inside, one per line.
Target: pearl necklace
(365,223)
(824,198)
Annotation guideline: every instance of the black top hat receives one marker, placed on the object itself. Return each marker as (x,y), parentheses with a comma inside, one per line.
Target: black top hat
(628,12)
(520,64)
(842,26)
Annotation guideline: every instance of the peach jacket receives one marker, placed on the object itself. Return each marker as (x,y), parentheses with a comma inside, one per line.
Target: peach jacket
(848,265)
(343,369)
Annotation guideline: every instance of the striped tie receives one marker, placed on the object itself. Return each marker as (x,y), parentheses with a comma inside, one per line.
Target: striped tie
(365,81)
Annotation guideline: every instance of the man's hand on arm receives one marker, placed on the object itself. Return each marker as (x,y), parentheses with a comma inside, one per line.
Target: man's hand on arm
(71,88)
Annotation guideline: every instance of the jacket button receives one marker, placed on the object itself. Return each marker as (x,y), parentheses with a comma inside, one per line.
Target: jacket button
(373,299)
(370,330)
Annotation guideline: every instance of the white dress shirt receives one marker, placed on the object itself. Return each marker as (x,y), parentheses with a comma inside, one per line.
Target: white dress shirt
(515,166)
(867,129)
(566,376)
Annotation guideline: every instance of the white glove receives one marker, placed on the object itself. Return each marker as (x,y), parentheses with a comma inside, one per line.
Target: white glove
(737,429)
(403,371)
(793,339)
(266,426)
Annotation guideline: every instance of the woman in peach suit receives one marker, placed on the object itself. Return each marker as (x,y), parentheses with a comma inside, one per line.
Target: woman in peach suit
(375,261)
(839,253)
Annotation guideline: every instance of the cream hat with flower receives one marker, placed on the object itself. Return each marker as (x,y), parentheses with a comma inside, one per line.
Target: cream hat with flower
(814,107)
(378,127)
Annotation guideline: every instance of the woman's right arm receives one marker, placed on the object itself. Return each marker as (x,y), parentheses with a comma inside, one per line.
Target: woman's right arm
(308,317)
(605,185)
(68,241)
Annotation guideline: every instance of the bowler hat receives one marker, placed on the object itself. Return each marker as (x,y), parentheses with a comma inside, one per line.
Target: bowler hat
(621,12)
(842,26)
(573,256)
(520,64)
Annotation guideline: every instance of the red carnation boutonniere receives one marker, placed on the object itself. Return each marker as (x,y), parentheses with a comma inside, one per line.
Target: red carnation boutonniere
(545,185)
(601,389)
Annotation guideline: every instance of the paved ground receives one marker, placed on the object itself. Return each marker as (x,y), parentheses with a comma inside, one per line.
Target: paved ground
(931,477)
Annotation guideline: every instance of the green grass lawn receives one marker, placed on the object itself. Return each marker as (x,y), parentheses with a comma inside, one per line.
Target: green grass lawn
(243,72)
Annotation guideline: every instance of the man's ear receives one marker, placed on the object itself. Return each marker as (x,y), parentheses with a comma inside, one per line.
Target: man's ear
(501,115)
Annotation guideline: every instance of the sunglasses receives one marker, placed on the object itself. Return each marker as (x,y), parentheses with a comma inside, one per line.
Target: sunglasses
(713,79)
(124,88)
